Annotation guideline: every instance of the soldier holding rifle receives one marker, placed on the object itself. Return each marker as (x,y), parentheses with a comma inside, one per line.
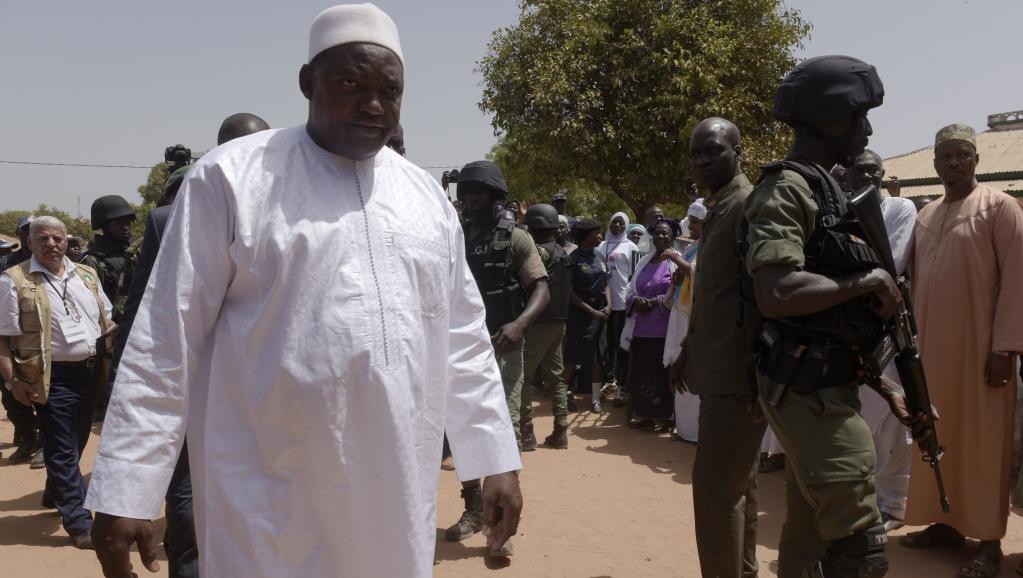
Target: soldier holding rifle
(826,298)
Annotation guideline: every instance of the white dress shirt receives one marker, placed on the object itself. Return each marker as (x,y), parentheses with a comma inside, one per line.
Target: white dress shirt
(74,315)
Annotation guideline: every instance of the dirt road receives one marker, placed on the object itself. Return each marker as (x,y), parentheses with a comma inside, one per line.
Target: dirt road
(617,503)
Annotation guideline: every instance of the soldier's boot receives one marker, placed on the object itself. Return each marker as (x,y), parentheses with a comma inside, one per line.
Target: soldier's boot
(528,437)
(558,439)
(860,555)
(472,517)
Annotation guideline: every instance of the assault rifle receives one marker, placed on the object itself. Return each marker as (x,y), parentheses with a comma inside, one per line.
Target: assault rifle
(899,341)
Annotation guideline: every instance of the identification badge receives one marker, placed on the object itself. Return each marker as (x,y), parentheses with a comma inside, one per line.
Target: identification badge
(73,332)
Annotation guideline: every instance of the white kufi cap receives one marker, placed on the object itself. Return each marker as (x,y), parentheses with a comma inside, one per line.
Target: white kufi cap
(348,23)
(698,209)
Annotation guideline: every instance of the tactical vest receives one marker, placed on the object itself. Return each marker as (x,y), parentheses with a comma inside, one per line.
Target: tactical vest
(835,337)
(496,277)
(31,350)
(556,261)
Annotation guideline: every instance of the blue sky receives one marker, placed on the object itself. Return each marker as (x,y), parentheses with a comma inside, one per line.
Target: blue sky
(115,82)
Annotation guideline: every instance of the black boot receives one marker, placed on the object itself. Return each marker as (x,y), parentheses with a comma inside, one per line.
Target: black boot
(472,517)
(559,439)
(27,445)
(528,438)
(860,555)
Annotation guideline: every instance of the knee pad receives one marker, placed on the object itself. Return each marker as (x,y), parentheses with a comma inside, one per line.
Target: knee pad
(859,555)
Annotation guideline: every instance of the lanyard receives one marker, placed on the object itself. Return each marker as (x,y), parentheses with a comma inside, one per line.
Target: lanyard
(70,309)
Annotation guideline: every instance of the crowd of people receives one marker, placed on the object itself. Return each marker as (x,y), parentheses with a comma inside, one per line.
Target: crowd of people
(327,325)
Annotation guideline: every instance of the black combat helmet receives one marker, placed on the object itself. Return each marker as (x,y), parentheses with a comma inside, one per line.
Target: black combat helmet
(541,217)
(107,208)
(827,88)
(483,173)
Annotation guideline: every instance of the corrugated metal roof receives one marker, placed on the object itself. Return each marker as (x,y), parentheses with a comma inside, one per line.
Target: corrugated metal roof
(1015,186)
(1001,151)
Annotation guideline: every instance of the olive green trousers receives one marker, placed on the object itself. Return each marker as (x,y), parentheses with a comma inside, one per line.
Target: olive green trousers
(724,486)
(829,471)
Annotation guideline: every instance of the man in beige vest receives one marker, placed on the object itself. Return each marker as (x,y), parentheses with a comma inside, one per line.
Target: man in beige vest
(52,313)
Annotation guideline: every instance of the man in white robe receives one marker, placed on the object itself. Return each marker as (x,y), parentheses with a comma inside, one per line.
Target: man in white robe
(892,441)
(317,332)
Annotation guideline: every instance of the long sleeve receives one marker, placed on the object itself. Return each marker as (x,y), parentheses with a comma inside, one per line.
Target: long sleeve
(900,232)
(1007,233)
(162,362)
(478,425)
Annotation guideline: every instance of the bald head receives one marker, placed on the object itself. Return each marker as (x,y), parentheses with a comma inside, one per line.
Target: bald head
(239,125)
(715,152)
(716,125)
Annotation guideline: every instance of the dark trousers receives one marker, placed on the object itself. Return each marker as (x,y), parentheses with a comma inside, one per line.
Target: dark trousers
(724,486)
(617,358)
(64,424)
(179,540)
(21,417)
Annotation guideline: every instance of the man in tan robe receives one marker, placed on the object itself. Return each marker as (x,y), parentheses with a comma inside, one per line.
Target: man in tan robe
(968,296)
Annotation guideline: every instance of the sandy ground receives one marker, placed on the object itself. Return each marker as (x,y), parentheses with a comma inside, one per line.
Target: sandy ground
(617,503)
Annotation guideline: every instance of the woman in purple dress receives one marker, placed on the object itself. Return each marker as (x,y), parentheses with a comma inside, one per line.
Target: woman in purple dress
(649,301)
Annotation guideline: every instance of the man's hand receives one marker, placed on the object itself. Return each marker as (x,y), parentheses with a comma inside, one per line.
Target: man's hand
(642,305)
(508,336)
(919,426)
(599,314)
(677,370)
(23,393)
(113,536)
(893,186)
(502,507)
(888,295)
(998,370)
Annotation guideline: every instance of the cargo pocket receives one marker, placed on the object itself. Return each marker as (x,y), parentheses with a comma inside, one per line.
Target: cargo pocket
(29,368)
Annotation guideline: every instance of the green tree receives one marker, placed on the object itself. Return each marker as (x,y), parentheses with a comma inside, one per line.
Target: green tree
(605,93)
(152,190)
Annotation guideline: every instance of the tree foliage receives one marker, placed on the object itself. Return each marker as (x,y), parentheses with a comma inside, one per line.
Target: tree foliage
(152,190)
(601,95)
(75,226)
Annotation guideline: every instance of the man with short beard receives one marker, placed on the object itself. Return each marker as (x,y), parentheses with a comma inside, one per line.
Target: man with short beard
(311,321)
(967,275)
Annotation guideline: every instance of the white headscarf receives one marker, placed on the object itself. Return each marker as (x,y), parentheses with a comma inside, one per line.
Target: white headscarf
(615,239)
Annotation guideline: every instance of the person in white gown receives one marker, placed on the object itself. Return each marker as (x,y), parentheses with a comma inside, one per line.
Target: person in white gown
(311,321)
(892,441)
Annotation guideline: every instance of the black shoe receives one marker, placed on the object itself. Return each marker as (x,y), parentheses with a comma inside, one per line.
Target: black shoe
(472,518)
(25,451)
(47,502)
(83,540)
(38,460)
(571,404)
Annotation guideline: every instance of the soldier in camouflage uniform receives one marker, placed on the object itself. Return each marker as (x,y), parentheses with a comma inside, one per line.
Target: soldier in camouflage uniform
(112,254)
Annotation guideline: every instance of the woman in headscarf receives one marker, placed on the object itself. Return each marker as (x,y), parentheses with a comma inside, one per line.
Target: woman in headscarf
(635,232)
(561,236)
(616,255)
(649,300)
